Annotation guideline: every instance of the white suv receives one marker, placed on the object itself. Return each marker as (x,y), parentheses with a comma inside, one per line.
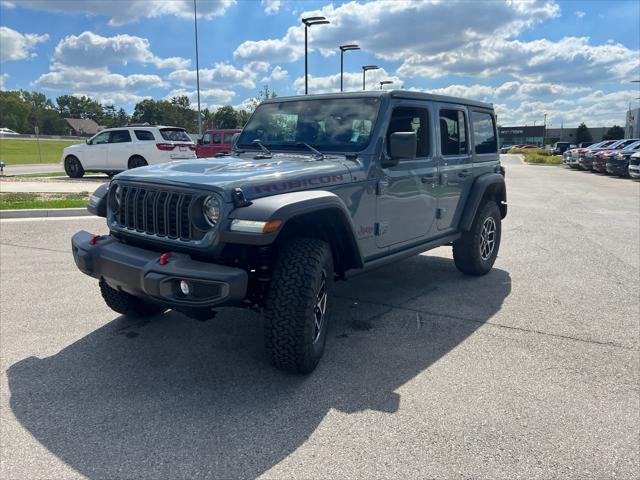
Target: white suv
(116,149)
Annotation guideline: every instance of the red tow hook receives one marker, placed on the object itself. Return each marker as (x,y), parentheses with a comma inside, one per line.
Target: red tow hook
(164,258)
(94,239)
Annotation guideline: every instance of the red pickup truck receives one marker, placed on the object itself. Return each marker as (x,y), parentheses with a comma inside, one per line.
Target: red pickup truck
(214,142)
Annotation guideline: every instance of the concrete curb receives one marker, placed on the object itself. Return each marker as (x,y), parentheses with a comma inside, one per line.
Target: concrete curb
(44,212)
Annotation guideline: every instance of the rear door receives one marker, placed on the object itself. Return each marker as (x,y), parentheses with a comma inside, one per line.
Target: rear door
(120,149)
(216,143)
(227,141)
(455,164)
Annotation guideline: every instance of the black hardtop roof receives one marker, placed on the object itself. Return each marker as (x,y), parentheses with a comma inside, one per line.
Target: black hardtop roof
(408,94)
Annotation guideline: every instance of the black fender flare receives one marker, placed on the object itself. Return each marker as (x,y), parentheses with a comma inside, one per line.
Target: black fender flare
(97,204)
(287,207)
(493,182)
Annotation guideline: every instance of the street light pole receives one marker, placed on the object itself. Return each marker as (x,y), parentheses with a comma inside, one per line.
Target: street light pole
(308,22)
(344,48)
(364,73)
(195,21)
(385,82)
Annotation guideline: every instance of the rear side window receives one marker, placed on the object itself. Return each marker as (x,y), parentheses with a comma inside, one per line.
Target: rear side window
(175,135)
(453,132)
(484,133)
(217,138)
(144,135)
(120,136)
(410,119)
(228,138)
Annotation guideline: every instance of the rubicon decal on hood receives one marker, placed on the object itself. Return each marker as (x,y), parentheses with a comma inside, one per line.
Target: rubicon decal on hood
(283,186)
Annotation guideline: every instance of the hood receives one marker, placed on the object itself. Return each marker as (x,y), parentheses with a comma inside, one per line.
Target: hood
(256,177)
(75,145)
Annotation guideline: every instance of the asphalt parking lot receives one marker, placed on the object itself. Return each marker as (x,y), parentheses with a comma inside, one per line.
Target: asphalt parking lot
(529,372)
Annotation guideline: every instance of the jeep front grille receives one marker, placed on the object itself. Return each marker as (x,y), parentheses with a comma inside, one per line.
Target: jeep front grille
(157,212)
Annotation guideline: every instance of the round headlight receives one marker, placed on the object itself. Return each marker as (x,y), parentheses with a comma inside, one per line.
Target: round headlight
(211,210)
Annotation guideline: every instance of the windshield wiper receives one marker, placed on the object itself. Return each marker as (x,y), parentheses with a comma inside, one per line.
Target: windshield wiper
(319,155)
(264,149)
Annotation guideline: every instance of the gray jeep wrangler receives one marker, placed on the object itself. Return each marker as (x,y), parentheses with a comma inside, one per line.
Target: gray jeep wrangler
(318,188)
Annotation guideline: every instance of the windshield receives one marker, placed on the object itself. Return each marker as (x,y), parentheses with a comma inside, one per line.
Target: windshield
(338,125)
(634,146)
(175,135)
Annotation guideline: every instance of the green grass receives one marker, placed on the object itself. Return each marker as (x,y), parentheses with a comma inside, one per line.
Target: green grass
(21,152)
(538,155)
(14,201)
(41,175)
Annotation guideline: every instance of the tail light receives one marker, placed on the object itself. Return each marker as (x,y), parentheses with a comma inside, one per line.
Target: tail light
(165,147)
(192,147)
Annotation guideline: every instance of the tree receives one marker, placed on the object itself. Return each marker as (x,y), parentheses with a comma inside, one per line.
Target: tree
(176,112)
(264,94)
(582,134)
(71,106)
(226,117)
(614,133)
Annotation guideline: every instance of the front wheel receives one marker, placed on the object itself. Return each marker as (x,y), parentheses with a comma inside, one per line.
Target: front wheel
(295,313)
(72,167)
(137,161)
(475,252)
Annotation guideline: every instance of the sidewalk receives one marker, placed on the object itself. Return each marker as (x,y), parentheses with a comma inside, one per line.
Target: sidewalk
(50,186)
(11,170)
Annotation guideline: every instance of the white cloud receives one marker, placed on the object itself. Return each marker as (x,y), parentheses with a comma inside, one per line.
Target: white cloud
(278,73)
(210,98)
(17,46)
(92,51)
(595,109)
(122,12)
(96,81)
(570,59)
(271,6)
(114,98)
(395,30)
(352,82)
(3,79)
(222,74)
(579,13)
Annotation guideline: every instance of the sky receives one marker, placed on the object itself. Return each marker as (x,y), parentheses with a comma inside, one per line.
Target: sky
(571,60)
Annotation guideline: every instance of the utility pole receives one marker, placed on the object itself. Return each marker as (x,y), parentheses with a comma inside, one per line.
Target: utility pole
(365,68)
(195,21)
(344,48)
(308,22)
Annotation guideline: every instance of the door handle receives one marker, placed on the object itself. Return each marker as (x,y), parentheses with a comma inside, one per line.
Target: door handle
(464,173)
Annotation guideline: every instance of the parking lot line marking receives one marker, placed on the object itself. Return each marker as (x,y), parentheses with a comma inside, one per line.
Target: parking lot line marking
(45,219)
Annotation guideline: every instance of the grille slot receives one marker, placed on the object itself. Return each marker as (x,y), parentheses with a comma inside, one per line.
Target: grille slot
(160,213)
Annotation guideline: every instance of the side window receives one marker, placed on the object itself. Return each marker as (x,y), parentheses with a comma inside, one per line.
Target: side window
(410,119)
(453,134)
(120,136)
(484,133)
(144,135)
(217,138)
(206,139)
(100,139)
(228,138)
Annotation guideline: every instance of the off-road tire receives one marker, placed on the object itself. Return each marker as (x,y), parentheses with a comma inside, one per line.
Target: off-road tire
(127,304)
(467,253)
(290,306)
(72,167)
(136,161)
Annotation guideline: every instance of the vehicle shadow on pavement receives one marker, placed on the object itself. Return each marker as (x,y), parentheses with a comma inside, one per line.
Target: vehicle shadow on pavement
(177,398)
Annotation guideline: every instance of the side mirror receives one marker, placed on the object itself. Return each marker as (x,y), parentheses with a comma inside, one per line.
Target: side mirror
(199,141)
(402,145)
(86,140)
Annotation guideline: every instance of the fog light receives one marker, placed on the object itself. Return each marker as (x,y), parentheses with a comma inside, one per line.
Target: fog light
(184,287)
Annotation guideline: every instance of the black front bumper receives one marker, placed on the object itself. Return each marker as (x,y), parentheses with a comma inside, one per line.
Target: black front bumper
(138,271)
(618,168)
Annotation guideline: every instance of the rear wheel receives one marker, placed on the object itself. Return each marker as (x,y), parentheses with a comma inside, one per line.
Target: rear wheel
(475,252)
(137,161)
(73,167)
(295,313)
(127,304)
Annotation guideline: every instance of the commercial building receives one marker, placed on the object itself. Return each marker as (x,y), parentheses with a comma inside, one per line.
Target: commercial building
(521,135)
(632,127)
(539,135)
